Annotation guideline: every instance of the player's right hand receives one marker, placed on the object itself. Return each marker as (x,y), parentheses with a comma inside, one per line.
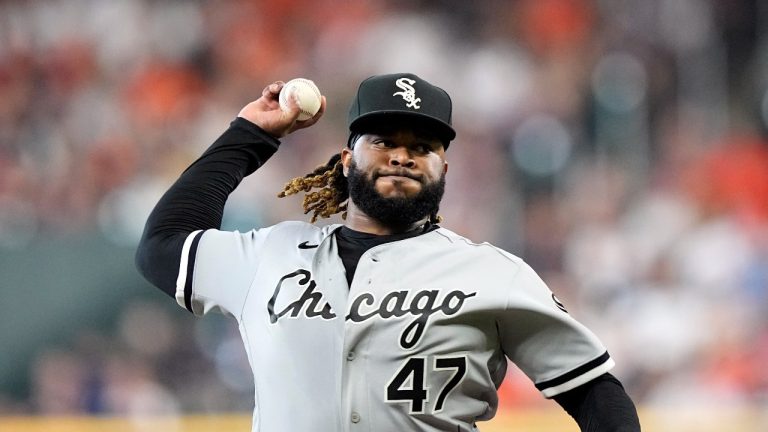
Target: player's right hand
(266,113)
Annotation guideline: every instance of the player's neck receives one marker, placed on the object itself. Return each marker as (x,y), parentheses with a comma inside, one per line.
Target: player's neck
(358,220)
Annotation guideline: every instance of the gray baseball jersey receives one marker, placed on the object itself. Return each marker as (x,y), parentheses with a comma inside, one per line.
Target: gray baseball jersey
(418,342)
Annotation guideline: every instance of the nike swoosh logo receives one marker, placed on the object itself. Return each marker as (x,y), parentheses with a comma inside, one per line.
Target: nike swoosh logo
(306,245)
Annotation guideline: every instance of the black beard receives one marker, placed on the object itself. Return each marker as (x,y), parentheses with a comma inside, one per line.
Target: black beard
(397,211)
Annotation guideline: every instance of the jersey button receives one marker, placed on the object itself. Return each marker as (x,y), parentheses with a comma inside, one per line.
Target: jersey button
(355,417)
(350,355)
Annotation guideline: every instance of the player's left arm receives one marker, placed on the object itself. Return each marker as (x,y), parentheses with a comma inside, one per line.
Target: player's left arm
(601,405)
(565,360)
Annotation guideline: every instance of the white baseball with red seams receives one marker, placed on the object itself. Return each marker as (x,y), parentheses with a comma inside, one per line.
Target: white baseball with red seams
(307,94)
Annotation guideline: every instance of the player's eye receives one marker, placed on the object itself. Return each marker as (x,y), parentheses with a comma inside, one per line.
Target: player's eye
(424,148)
(384,143)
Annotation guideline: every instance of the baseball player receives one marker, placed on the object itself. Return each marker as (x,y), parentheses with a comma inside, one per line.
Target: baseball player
(388,322)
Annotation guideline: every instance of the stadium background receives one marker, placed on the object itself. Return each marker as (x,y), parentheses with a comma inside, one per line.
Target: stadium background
(618,146)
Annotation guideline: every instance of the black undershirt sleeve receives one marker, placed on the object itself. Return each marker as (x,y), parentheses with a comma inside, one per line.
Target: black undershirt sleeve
(196,200)
(601,405)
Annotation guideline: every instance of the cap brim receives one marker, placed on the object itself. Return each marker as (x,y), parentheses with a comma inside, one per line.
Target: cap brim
(374,119)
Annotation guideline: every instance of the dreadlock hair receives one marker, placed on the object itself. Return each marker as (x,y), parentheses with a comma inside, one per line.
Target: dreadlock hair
(332,196)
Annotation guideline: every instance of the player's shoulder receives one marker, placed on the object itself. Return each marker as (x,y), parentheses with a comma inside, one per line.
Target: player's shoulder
(300,230)
(482,250)
(298,227)
(286,231)
(485,257)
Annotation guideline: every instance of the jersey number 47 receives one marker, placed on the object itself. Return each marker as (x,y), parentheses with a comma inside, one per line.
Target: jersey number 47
(409,384)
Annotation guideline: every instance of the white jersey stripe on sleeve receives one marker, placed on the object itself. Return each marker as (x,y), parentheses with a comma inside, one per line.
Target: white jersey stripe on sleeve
(576,377)
(186,268)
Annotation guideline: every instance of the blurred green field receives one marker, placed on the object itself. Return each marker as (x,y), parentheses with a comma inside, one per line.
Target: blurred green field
(540,420)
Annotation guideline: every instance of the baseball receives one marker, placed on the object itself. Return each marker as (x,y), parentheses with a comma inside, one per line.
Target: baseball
(306,92)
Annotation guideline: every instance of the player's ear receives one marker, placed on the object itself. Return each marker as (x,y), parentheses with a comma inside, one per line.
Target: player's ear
(346,160)
(445,167)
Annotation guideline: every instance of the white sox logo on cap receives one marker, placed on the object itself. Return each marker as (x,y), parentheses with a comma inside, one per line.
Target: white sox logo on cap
(409,93)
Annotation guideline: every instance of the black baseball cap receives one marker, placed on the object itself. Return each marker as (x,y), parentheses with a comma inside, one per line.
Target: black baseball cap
(402,97)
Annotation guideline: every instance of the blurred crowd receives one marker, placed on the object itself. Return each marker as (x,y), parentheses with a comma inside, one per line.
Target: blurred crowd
(618,147)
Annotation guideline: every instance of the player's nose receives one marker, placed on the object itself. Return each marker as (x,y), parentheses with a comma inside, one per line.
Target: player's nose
(400,156)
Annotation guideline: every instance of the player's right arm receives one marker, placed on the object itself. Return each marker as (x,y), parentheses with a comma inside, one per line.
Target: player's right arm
(195,202)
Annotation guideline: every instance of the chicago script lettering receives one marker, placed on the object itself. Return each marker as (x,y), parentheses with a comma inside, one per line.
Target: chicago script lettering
(422,305)
(309,298)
